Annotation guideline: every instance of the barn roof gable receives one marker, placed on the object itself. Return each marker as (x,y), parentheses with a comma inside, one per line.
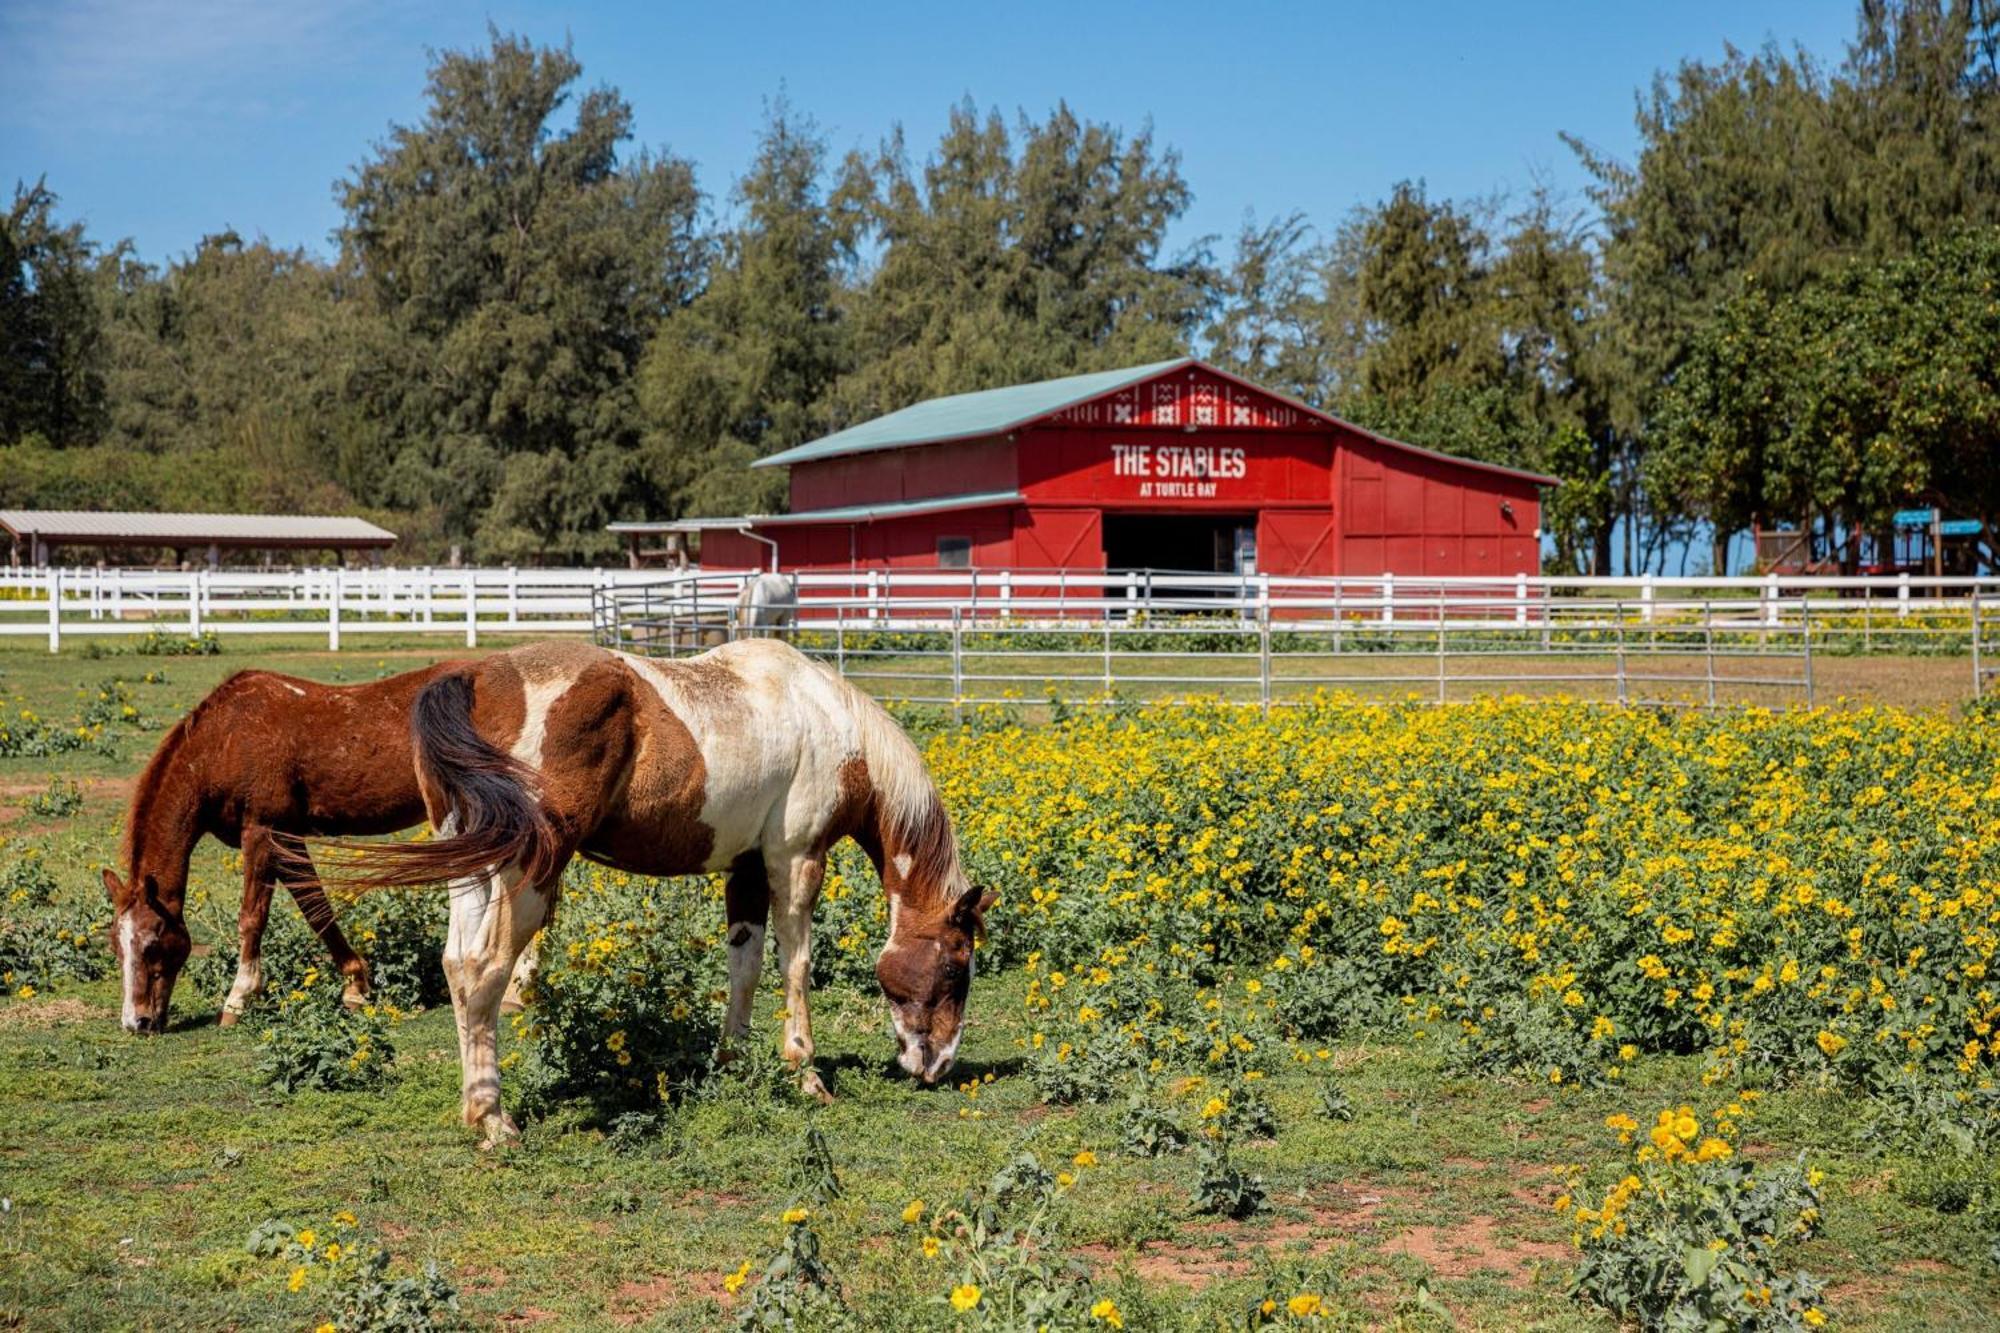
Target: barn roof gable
(990,412)
(964,416)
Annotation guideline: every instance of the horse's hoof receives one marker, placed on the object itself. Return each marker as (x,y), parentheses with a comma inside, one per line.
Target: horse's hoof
(354,999)
(501,1132)
(812,1087)
(511,1005)
(230,1017)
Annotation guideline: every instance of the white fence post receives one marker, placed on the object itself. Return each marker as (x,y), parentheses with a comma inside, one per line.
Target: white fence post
(55,609)
(471,609)
(195,583)
(1006,594)
(1388,599)
(513,597)
(1646,598)
(1770,599)
(1520,599)
(333,611)
(1902,595)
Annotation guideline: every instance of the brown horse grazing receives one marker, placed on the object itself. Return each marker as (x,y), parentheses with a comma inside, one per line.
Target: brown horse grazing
(261,757)
(749,757)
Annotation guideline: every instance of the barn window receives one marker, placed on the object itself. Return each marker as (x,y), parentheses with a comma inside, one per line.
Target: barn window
(954,552)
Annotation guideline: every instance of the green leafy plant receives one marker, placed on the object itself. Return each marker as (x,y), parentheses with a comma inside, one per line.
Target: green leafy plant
(59,800)
(1693,1235)
(315,1041)
(352,1271)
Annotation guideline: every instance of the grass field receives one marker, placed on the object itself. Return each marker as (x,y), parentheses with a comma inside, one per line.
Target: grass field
(135,1171)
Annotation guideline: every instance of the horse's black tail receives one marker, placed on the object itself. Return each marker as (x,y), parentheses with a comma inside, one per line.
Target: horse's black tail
(493,813)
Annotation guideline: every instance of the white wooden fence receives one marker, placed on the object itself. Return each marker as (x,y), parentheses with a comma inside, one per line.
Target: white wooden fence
(64,603)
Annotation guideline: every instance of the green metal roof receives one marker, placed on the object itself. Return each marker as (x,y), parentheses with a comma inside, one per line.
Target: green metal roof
(896,509)
(968,415)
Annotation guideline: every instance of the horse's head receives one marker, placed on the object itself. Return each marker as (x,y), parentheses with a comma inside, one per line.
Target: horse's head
(926,972)
(150,941)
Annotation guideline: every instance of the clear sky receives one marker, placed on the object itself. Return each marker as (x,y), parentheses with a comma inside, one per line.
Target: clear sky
(162,120)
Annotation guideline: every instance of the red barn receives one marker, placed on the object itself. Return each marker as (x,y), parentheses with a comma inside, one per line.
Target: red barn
(1175,465)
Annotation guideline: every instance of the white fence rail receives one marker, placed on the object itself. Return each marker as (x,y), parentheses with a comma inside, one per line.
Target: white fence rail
(960,638)
(62,603)
(972,636)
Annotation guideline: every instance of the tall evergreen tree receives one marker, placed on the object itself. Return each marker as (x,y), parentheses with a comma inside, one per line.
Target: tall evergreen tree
(1016,257)
(744,370)
(51,336)
(523,266)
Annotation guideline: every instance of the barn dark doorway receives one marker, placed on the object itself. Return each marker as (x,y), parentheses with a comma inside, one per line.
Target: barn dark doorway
(1182,543)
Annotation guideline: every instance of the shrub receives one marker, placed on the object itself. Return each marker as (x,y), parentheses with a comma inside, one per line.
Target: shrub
(1003,1250)
(59,800)
(1695,1236)
(315,1041)
(622,1009)
(353,1272)
(173,643)
(46,936)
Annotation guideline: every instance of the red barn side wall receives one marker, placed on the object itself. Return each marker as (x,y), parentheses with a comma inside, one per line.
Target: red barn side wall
(1412,514)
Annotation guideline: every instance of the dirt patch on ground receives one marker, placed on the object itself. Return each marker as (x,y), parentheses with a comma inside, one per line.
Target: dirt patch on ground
(635,1302)
(45,1013)
(1475,1246)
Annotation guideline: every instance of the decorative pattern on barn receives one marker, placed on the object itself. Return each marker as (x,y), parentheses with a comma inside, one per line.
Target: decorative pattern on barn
(1186,399)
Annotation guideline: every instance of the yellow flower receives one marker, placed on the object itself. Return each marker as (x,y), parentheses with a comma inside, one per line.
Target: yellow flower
(734,1282)
(913,1210)
(343,1218)
(333,1251)
(328,1327)
(1712,1150)
(964,1297)
(794,1216)
(297,1281)
(931,1247)
(1305,1305)
(1065,1179)
(308,1237)
(1814,1316)
(1085,1158)
(1107,1312)
(1831,1042)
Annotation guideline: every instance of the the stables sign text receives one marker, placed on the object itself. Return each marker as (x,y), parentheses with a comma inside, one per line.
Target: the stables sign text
(1178,471)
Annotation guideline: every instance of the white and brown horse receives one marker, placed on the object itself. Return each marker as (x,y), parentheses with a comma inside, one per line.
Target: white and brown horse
(749,757)
(261,757)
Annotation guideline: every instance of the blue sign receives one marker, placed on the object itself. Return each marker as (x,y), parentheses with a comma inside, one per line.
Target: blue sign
(1961,527)
(1915,518)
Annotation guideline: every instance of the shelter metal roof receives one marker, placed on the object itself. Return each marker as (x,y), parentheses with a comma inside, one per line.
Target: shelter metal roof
(120,528)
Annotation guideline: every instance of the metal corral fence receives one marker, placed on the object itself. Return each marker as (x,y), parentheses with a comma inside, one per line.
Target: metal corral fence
(963,638)
(61,603)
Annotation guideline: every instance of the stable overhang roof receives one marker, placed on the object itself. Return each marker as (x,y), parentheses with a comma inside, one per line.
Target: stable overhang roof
(942,504)
(124,528)
(969,416)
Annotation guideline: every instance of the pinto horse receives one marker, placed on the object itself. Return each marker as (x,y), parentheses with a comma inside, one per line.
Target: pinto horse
(263,756)
(749,757)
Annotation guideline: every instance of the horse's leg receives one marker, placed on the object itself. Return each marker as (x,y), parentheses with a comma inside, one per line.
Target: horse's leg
(747,897)
(250,919)
(318,913)
(795,879)
(492,919)
(524,972)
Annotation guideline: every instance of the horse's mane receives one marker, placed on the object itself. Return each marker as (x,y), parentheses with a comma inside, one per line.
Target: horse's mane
(155,778)
(908,798)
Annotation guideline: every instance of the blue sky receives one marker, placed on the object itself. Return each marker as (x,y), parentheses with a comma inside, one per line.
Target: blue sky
(162,121)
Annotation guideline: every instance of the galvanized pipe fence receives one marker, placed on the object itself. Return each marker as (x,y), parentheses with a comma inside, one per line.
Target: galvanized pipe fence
(964,639)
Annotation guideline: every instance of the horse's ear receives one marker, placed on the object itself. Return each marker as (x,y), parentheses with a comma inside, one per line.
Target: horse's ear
(114,886)
(976,905)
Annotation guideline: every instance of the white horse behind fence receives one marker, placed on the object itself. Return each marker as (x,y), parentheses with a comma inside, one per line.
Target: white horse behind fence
(767,604)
